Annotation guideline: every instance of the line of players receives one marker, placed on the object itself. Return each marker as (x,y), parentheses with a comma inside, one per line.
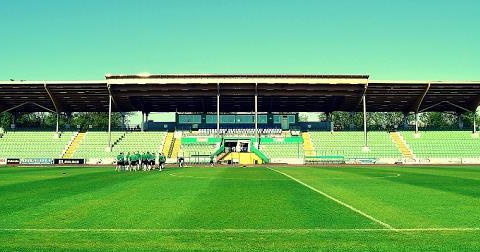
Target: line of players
(137,161)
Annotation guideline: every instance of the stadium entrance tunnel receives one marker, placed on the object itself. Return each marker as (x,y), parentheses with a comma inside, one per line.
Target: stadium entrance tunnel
(241,151)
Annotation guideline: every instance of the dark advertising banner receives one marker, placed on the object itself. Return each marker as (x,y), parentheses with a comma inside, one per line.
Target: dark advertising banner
(13,161)
(69,161)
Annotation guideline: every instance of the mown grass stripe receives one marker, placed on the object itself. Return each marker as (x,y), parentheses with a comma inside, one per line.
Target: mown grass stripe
(388,226)
(184,230)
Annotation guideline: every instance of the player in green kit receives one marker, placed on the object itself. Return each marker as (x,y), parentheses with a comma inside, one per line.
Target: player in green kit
(138,158)
(134,161)
(120,162)
(152,160)
(127,161)
(144,162)
(162,159)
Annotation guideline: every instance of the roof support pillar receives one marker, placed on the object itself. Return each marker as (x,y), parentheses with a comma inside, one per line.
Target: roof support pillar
(365,147)
(145,126)
(218,109)
(474,122)
(58,118)
(142,121)
(332,122)
(109,147)
(256,112)
(416,125)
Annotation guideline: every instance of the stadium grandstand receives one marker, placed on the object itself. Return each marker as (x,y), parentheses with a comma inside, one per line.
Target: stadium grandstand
(242,119)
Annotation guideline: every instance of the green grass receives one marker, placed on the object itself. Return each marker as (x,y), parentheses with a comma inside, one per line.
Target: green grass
(246,209)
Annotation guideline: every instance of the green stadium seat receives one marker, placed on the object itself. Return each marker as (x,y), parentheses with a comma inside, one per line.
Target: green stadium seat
(443,144)
(349,144)
(33,144)
(94,143)
(289,148)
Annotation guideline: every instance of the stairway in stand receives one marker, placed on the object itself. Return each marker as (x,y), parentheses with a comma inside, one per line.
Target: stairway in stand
(74,145)
(175,148)
(402,145)
(171,147)
(221,156)
(168,143)
(308,148)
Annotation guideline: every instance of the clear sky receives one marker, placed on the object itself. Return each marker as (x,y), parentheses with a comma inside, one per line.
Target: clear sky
(388,39)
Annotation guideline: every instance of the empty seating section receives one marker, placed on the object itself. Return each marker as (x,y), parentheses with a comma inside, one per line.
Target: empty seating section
(94,143)
(33,144)
(443,144)
(140,141)
(198,150)
(349,144)
(290,147)
(199,146)
(282,150)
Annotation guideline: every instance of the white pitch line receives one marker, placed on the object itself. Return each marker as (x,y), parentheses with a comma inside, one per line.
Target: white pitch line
(338,201)
(437,229)
(200,230)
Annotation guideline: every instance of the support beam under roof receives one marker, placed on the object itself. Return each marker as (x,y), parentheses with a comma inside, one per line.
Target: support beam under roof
(416,106)
(364,93)
(112,97)
(58,107)
(475,104)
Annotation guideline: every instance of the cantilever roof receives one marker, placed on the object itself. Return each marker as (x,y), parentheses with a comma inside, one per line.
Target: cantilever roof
(276,93)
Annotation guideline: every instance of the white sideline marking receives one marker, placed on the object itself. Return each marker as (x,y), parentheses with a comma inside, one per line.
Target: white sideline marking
(232,230)
(338,201)
(437,229)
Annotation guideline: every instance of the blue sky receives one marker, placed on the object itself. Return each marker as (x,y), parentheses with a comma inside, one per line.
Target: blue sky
(389,39)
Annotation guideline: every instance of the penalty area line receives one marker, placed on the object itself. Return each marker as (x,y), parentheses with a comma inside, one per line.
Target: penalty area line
(388,226)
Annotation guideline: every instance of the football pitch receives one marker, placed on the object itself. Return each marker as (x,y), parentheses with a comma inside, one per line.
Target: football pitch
(369,208)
